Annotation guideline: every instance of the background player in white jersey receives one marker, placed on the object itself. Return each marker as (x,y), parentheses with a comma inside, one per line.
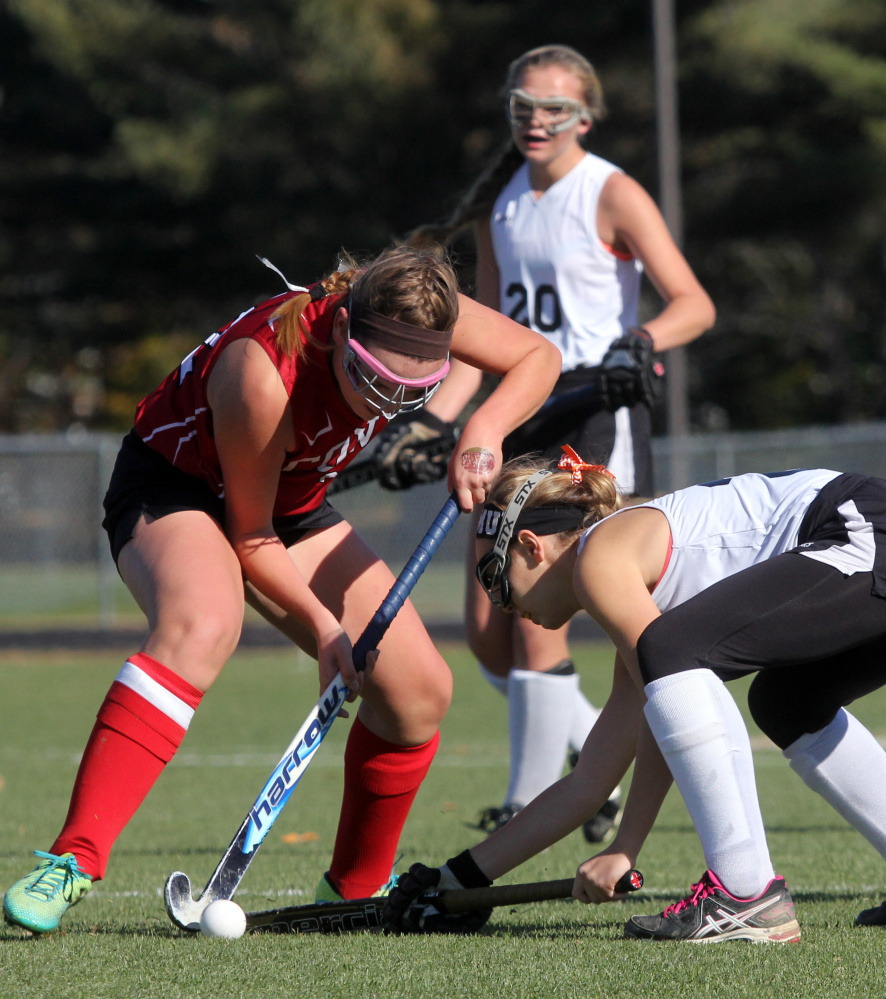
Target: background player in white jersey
(563,238)
(781,574)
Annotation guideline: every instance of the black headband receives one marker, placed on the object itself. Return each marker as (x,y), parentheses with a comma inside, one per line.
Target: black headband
(539,519)
(417,341)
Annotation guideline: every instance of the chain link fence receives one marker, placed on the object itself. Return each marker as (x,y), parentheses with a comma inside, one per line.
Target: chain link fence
(56,571)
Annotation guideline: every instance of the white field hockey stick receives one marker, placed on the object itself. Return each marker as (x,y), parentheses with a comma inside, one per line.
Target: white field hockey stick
(183,909)
(366,913)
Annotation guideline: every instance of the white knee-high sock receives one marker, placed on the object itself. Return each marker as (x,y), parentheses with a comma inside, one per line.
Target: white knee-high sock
(500,683)
(703,738)
(584,714)
(846,765)
(540,708)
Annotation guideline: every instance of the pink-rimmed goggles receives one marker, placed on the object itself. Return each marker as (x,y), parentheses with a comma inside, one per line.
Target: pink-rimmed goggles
(384,390)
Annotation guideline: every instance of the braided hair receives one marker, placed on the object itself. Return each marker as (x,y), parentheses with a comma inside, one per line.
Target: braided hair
(413,284)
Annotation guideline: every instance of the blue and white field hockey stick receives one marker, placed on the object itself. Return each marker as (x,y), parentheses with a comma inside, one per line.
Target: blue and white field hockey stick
(183,909)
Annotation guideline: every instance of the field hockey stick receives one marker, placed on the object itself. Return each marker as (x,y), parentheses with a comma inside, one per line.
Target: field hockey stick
(366,913)
(183,909)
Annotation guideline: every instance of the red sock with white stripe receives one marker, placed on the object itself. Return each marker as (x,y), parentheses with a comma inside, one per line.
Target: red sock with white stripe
(381,781)
(139,726)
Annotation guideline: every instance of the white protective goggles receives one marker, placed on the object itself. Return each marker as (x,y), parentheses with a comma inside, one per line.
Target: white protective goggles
(554,114)
(385,391)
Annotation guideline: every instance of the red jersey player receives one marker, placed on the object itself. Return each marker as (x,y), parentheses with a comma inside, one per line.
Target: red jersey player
(223,479)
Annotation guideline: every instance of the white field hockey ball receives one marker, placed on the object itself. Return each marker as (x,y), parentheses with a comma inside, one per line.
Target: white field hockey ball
(223,918)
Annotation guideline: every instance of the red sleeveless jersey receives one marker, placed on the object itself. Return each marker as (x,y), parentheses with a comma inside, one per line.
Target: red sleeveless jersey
(176,420)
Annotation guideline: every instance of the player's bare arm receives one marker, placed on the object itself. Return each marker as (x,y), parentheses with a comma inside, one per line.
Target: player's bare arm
(615,573)
(457,390)
(650,782)
(253,429)
(488,290)
(463,380)
(629,220)
(528,367)
(556,812)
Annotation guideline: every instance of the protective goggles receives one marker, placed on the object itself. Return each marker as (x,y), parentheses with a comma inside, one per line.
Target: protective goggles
(554,114)
(385,391)
(492,569)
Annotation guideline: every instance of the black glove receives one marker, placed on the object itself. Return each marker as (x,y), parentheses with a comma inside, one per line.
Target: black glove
(413,448)
(411,906)
(629,373)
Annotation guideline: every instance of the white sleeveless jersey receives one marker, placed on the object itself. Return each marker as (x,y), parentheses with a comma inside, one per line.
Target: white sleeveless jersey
(722,527)
(557,276)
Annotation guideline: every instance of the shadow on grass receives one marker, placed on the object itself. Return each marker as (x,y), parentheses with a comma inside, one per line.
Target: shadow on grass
(598,929)
(785,830)
(829,896)
(11,935)
(602,930)
(600,924)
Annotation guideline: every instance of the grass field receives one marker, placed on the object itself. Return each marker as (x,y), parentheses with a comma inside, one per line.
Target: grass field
(119,943)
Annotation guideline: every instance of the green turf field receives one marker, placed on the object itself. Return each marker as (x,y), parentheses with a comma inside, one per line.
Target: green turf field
(55,596)
(119,943)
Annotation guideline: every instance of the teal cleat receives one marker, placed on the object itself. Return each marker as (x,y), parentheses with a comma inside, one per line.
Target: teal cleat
(326,891)
(39,900)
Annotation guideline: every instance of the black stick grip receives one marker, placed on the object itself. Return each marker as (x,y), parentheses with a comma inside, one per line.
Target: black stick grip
(459,900)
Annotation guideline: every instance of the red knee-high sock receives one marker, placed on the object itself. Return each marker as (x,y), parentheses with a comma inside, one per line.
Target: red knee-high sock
(139,726)
(381,781)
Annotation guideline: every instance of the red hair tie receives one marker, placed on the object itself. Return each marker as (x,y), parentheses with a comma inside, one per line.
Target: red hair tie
(571,460)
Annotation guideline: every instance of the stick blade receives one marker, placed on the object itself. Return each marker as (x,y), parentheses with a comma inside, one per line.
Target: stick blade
(181,907)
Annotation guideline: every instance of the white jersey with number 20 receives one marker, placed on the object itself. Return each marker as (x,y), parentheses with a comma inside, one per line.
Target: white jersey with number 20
(556,274)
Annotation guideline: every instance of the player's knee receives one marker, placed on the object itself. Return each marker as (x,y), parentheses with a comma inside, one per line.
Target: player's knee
(431,701)
(409,717)
(784,711)
(765,706)
(494,655)
(202,641)
(436,699)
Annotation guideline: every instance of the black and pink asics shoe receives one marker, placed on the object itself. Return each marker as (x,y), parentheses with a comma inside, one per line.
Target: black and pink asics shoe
(711,914)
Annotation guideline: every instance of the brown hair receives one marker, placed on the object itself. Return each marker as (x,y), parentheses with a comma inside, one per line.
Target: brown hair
(478,201)
(596,492)
(575,62)
(412,284)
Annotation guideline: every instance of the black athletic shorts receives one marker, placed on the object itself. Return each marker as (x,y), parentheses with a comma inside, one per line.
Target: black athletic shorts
(143,482)
(814,627)
(588,429)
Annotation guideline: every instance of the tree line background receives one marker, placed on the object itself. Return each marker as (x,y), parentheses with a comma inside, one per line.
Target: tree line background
(149,149)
